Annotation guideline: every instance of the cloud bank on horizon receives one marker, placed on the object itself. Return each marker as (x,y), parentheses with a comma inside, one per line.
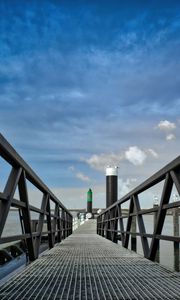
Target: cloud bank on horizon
(84,85)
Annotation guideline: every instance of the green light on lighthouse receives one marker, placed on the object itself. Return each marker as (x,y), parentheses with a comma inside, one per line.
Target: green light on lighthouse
(89,195)
(89,201)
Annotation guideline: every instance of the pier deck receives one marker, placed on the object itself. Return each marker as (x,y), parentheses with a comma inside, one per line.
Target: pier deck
(87,266)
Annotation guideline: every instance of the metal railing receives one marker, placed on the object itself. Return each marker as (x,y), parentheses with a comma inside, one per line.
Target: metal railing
(110,223)
(59,221)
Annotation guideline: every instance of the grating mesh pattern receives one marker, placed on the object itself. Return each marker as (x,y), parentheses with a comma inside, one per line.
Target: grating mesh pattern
(87,266)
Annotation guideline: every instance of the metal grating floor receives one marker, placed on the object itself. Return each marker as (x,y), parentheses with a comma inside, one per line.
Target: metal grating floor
(87,266)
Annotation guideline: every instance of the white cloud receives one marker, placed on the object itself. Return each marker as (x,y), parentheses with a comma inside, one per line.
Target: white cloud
(99,162)
(170,137)
(71,168)
(124,187)
(79,175)
(166,125)
(135,155)
(74,94)
(82,177)
(153,153)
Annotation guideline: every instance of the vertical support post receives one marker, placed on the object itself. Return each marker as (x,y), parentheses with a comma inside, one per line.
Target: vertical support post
(71,224)
(129,221)
(111,227)
(166,193)
(97,227)
(63,224)
(26,217)
(157,257)
(102,225)
(9,191)
(58,226)
(40,224)
(133,235)
(49,225)
(176,233)
(68,226)
(54,223)
(142,229)
(121,224)
(114,224)
(107,226)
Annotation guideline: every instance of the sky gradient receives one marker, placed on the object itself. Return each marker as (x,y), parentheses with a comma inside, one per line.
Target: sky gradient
(85,84)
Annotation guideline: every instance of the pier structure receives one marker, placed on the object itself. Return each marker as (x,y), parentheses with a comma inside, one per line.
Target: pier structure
(94,261)
(87,266)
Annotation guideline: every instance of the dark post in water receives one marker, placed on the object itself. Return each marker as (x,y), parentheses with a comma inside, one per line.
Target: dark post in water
(111,185)
(89,201)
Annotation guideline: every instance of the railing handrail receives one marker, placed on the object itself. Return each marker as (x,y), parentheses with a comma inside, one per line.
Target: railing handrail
(15,160)
(59,223)
(110,223)
(148,183)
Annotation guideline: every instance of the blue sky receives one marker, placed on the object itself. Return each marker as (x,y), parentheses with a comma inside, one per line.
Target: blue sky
(85,84)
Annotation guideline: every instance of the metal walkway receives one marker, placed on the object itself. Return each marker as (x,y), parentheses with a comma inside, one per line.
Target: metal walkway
(87,266)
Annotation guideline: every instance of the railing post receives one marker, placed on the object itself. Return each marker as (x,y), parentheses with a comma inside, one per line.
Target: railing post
(107,221)
(115,225)
(63,224)
(157,257)
(176,233)
(133,235)
(102,226)
(107,225)
(49,225)
(71,224)
(19,178)
(9,191)
(129,221)
(98,230)
(121,224)
(40,223)
(166,193)
(26,216)
(58,226)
